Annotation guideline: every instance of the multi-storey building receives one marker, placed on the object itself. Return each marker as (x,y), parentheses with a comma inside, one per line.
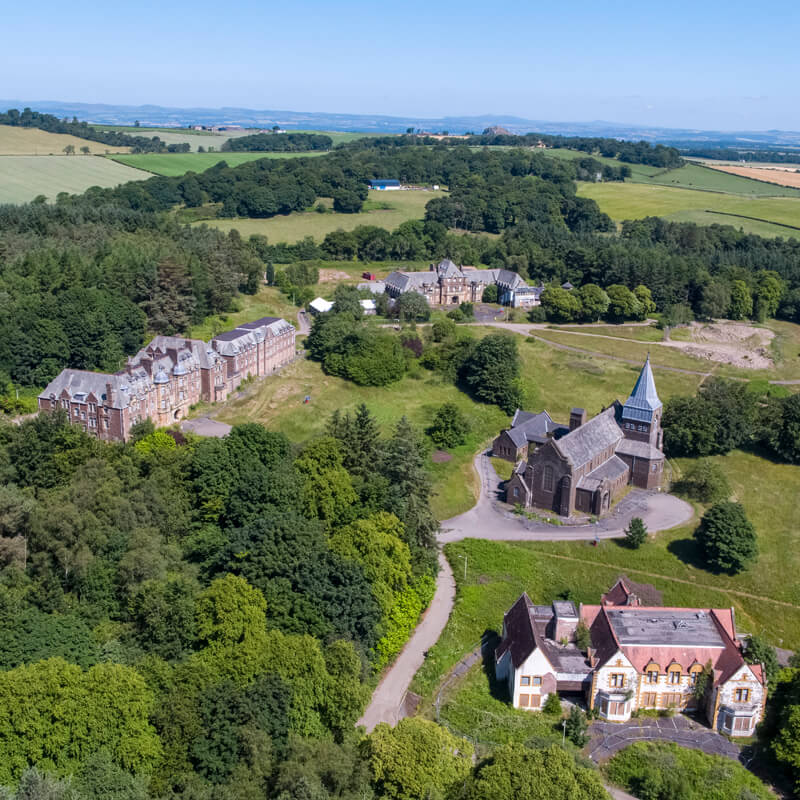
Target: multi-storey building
(640,657)
(168,376)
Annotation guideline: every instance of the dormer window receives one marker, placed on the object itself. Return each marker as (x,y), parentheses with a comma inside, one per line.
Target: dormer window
(675,673)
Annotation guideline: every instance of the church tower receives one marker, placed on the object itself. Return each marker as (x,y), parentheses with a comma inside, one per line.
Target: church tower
(641,414)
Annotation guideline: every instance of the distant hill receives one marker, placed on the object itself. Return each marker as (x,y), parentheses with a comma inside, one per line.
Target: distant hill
(156,116)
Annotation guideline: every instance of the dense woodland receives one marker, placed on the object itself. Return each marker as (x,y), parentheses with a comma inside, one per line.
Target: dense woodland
(279,142)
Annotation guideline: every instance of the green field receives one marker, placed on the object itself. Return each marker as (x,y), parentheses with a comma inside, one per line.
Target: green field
(385,209)
(175,164)
(551,379)
(638,333)
(623,201)
(766,597)
(22,178)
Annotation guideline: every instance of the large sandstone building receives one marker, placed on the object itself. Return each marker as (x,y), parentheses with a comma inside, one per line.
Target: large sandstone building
(168,376)
(445,284)
(639,657)
(585,466)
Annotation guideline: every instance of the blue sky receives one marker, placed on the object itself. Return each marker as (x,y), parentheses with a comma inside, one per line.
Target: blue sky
(703,64)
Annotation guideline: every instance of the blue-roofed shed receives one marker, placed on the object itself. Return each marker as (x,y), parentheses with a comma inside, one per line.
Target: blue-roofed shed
(385,184)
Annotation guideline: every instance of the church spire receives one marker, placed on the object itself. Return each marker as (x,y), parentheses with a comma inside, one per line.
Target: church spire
(644,400)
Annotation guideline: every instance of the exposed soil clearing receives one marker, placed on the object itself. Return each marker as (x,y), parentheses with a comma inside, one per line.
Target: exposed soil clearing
(440,457)
(731,343)
(332,276)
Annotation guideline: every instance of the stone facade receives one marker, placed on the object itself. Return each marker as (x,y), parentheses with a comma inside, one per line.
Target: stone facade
(168,376)
(584,468)
(641,657)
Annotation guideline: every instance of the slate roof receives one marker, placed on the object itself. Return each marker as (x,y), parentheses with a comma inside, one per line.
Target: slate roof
(609,470)
(580,445)
(644,397)
(630,447)
(249,334)
(527,427)
(80,384)
(376,287)
(520,638)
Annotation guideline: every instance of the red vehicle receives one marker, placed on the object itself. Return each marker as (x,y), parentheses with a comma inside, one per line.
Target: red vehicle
(370,276)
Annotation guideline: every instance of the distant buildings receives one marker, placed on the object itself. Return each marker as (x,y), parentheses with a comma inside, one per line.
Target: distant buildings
(586,466)
(385,185)
(168,376)
(447,284)
(639,657)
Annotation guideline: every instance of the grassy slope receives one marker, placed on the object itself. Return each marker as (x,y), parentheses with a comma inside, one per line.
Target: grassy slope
(31,141)
(175,164)
(24,177)
(634,201)
(400,206)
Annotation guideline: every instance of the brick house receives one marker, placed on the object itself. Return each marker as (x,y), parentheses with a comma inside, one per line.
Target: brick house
(641,657)
(168,376)
(587,468)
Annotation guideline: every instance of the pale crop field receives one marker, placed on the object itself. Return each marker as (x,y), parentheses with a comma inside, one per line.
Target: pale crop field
(784,176)
(175,164)
(32,142)
(22,178)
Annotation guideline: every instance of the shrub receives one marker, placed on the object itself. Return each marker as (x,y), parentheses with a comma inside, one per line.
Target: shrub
(727,538)
(490,294)
(636,533)
(576,727)
(553,704)
(537,314)
(450,427)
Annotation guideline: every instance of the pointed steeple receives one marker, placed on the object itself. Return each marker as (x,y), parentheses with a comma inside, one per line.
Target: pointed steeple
(644,397)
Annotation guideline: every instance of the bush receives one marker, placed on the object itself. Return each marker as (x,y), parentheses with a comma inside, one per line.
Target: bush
(490,294)
(553,704)
(450,427)
(443,329)
(537,314)
(576,727)
(760,651)
(727,538)
(636,533)
(706,482)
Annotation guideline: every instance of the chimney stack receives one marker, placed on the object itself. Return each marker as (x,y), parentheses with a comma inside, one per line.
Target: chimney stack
(109,395)
(576,418)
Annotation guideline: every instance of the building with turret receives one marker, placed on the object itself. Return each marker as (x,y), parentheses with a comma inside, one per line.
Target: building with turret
(163,380)
(585,466)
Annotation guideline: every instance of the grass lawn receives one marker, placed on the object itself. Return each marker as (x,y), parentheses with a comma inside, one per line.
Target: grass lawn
(386,210)
(637,333)
(499,571)
(33,142)
(175,164)
(22,178)
(766,229)
(623,201)
(787,348)
(503,468)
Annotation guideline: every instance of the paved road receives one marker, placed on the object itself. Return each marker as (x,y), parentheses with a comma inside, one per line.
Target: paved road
(304,326)
(487,521)
(205,426)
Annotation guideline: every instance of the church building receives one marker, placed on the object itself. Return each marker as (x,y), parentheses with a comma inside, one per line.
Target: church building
(586,466)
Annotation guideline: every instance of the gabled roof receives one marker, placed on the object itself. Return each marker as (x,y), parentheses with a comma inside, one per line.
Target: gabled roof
(520,638)
(644,398)
(586,441)
(527,427)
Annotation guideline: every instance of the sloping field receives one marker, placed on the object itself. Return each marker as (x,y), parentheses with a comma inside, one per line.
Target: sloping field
(398,207)
(174,164)
(634,201)
(176,136)
(785,176)
(22,178)
(33,142)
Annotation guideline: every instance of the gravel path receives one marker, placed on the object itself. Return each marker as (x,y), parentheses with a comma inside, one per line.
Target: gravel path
(487,520)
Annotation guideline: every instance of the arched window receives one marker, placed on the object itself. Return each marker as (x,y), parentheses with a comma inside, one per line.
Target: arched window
(547,483)
(674,673)
(652,670)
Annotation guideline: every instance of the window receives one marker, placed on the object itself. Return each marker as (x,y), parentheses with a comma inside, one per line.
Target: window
(693,676)
(617,708)
(617,680)
(536,700)
(537,681)
(642,428)
(741,723)
(672,700)
(674,676)
(742,695)
(516,491)
(652,676)
(525,680)
(524,700)
(548,479)
(649,699)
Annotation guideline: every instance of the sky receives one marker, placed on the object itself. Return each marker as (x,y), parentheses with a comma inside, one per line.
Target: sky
(705,65)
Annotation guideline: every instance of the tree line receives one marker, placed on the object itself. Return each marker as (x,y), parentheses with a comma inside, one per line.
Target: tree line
(83,130)
(279,143)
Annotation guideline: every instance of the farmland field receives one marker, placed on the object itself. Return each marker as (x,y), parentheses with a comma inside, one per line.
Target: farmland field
(636,200)
(385,209)
(22,178)
(785,176)
(33,142)
(175,164)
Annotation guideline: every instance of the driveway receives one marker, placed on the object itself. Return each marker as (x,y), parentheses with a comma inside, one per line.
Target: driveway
(205,426)
(488,520)
(610,737)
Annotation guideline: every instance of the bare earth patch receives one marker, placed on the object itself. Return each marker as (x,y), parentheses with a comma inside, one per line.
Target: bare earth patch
(731,343)
(440,457)
(332,276)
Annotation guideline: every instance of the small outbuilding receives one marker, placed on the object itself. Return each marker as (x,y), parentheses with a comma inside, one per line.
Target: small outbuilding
(319,305)
(385,185)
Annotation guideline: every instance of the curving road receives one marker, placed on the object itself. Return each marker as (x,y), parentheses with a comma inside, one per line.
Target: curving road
(488,520)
